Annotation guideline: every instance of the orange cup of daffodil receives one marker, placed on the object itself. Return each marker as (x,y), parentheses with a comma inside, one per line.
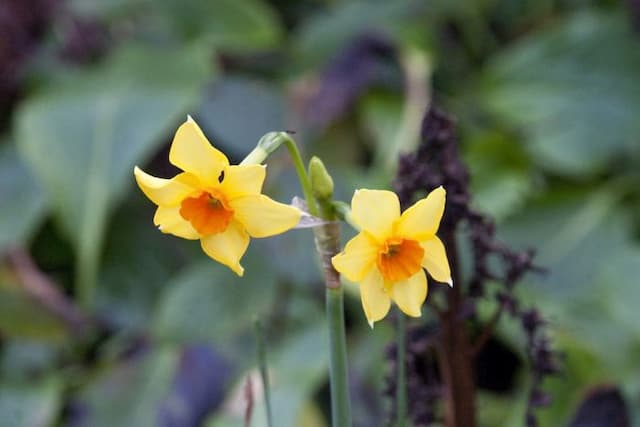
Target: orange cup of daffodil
(387,257)
(212,201)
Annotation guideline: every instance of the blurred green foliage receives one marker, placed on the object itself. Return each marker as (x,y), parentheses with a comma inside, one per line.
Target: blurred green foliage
(547,97)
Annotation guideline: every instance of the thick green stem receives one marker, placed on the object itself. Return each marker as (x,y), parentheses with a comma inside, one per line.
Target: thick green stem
(327,237)
(339,375)
(401,371)
(264,373)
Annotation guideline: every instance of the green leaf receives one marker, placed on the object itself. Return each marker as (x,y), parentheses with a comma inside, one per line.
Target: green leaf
(324,34)
(573,95)
(237,111)
(573,233)
(295,373)
(382,117)
(23,202)
(21,316)
(208,302)
(35,404)
(139,261)
(104,9)
(228,24)
(583,241)
(23,358)
(501,175)
(130,393)
(83,136)
(239,25)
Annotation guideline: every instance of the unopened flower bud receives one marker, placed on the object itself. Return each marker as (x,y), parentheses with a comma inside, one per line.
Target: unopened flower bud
(321,181)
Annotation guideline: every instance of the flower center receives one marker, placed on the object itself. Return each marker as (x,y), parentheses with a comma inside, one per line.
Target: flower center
(208,214)
(399,259)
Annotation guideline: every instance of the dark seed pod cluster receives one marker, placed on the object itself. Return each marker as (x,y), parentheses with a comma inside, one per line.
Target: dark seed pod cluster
(437,162)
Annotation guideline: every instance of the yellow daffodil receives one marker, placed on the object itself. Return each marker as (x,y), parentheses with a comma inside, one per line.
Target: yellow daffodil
(388,255)
(217,203)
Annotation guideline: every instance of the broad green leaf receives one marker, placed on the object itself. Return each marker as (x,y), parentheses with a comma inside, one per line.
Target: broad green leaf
(22,358)
(588,290)
(236,112)
(501,176)
(322,35)
(382,118)
(30,405)
(138,263)
(239,25)
(295,373)
(572,90)
(105,8)
(573,232)
(23,202)
(83,136)
(227,24)
(21,316)
(208,302)
(131,393)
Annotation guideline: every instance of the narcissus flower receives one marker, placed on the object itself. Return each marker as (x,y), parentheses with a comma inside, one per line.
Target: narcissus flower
(387,257)
(217,203)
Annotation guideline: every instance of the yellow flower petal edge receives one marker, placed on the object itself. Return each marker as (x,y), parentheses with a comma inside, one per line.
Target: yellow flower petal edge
(192,152)
(375,299)
(357,259)
(387,257)
(212,201)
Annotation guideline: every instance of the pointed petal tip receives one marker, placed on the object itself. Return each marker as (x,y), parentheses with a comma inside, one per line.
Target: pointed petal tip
(450,283)
(370,323)
(190,119)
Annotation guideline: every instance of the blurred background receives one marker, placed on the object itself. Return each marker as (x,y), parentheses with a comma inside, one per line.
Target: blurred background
(547,100)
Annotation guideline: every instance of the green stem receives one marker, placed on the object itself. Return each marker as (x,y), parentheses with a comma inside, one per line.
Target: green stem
(327,237)
(339,376)
(302,175)
(401,371)
(264,373)
(267,145)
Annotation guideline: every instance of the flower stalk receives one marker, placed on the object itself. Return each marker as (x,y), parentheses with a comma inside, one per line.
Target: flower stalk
(264,373)
(338,370)
(327,238)
(402,407)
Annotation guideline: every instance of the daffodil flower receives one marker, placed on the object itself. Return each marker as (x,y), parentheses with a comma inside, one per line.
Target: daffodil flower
(218,203)
(388,255)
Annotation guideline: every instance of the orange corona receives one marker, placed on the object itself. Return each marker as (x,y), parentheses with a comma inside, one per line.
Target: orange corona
(206,213)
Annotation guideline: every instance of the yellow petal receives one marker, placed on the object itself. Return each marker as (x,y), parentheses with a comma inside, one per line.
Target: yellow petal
(169,220)
(263,217)
(242,180)
(227,247)
(421,221)
(375,300)
(192,152)
(375,211)
(357,258)
(435,260)
(410,294)
(164,192)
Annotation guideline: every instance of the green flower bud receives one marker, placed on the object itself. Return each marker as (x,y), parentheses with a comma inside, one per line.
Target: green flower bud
(321,181)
